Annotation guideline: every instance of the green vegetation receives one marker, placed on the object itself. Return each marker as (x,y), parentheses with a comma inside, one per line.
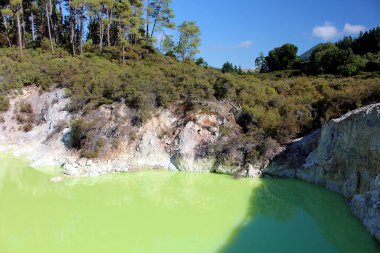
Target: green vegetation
(282,58)
(347,57)
(4,105)
(274,105)
(230,68)
(55,25)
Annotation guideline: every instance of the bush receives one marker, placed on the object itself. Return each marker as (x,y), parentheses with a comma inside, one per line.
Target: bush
(28,127)
(76,134)
(223,88)
(348,70)
(25,107)
(4,104)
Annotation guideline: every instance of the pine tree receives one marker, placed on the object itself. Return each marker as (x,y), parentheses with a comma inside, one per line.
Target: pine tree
(158,16)
(189,40)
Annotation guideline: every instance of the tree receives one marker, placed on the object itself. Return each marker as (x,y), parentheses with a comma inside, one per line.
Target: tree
(72,24)
(16,6)
(108,9)
(261,63)
(33,9)
(367,42)
(123,14)
(189,40)
(158,16)
(201,62)
(6,13)
(120,23)
(282,58)
(326,59)
(240,70)
(135,21)
(228,67)
(167,44)
(48,12)
(345,43)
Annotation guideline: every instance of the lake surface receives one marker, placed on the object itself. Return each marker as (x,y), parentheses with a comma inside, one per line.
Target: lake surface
(170,212)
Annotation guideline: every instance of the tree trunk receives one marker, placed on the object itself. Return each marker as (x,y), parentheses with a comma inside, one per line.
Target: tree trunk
(154,27)
(155,22)
(100,32)
(19,34)
(49,28)
(109,27)
(22,25)
(123,57)
(32,26)
(147,19)
(81,34)
(6,31)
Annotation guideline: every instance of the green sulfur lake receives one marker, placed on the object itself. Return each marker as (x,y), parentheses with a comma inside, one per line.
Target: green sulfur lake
(160,211)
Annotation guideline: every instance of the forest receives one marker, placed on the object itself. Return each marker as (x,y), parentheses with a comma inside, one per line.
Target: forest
(94,25)
(347,57)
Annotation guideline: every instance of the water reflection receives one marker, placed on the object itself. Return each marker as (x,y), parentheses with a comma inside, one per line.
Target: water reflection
(293,216)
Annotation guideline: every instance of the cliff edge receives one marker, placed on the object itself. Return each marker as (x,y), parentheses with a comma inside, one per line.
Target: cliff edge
(343,156)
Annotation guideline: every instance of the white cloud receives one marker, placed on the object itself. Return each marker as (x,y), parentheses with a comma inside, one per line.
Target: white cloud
(353,29)
(246,44)
(327,31)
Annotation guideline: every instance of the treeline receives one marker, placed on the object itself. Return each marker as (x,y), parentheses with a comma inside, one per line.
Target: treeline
(347,57)
(230,68)
(77,25)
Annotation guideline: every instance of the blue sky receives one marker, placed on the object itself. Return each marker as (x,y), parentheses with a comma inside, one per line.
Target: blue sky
(238,30)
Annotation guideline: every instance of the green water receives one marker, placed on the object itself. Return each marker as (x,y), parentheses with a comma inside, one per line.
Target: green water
(170,212)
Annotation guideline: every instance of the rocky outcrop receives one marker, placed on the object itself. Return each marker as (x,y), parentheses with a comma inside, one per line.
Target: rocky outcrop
(43,144)
(345,157)
(202,140)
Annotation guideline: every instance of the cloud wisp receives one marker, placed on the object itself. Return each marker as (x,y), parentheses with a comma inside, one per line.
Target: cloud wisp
(245,44)
(353,29)
(329,31)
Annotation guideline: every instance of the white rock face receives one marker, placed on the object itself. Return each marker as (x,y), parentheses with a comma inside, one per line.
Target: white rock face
(168,140)
(344,157)
(42,144)
(195,143)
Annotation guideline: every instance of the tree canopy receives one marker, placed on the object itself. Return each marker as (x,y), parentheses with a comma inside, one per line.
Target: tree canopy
(282,58)
(78,25)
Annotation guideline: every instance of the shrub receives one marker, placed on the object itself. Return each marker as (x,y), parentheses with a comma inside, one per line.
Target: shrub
(27,127)
(223,88)
(4,104)
(76,134)
(348,70)
(25,107)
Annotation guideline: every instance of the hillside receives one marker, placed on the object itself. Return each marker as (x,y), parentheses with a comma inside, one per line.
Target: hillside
(306,55)
(272,106)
